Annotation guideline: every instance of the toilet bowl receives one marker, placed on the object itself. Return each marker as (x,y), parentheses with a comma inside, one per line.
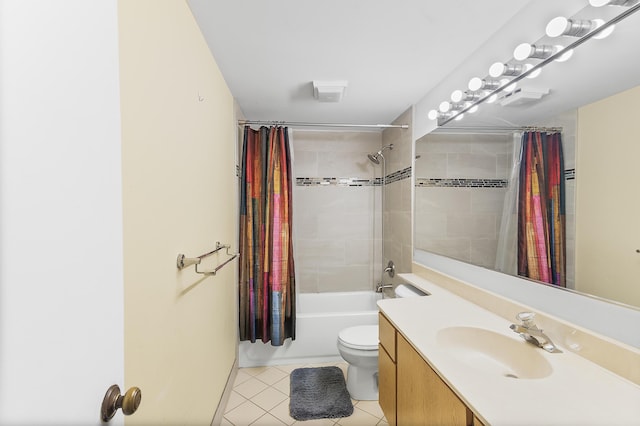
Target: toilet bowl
(359,347)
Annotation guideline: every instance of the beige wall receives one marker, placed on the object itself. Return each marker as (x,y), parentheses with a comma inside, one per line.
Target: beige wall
(179,196)
(607,230)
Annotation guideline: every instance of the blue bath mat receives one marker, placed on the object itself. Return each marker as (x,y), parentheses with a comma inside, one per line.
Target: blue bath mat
(319,393)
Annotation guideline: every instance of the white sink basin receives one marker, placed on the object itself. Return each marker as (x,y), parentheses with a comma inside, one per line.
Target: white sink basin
(493,353)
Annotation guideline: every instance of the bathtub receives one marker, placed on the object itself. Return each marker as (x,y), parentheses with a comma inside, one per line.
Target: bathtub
(320,317)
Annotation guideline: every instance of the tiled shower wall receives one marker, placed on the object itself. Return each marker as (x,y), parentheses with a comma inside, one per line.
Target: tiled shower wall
(336,207)
(460,188)
(397,209)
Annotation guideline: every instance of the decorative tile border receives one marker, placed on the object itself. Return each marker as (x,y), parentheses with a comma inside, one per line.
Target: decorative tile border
(405,173)
(570,174)
(308,181)
(461,183)
(399,175)
(350,181)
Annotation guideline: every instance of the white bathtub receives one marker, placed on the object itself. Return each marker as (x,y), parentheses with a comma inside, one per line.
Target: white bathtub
(320,318)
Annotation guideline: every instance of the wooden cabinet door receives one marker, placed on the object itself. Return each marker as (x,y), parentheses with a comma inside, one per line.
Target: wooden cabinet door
(387,385)
(422,397)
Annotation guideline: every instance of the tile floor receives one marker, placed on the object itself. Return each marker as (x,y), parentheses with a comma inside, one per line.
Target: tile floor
(260,397)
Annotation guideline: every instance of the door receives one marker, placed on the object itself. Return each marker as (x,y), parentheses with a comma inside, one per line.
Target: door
(61,285)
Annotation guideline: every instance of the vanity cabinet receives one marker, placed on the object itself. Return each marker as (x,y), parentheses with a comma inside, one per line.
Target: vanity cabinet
(411,393)
(387,369)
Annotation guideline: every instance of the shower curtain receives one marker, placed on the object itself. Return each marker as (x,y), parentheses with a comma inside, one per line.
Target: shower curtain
(267,279)
(541,209)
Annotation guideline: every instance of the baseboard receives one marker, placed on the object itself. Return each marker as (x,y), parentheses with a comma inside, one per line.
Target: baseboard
(226,394)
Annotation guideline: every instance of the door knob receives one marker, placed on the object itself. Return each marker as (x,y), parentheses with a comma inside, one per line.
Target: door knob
(129,402)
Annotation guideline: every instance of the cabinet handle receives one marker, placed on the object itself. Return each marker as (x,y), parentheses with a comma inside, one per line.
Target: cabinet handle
(129,402)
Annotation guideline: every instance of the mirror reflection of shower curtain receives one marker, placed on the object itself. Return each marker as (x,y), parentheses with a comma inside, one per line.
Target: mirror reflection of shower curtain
(267,274)
(541,209)
(507,251)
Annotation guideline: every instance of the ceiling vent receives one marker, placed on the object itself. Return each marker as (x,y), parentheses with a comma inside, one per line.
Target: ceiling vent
(329,91)
(523,96)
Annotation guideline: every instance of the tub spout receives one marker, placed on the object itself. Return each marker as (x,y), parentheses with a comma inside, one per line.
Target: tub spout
(381,287)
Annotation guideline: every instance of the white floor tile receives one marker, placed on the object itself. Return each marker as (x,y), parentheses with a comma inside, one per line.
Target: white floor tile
(254,371)
(241,377)
(281,411)
(288,368)
(271,375)
(267,420)
(245,414)
(250,388)
(371,407)
(235,399)
(260,397)
(283,385)
(359,418)
(269,398)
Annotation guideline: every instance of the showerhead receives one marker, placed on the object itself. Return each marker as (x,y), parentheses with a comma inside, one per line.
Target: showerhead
(375,158)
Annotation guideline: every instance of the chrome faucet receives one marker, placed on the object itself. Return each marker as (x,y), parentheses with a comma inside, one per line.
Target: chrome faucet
(531,333)
(381,287)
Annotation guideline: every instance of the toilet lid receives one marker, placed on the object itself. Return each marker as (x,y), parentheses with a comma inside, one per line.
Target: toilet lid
(363,337)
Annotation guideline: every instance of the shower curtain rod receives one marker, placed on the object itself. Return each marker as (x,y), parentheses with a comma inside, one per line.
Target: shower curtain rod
(496,129)
(305,124)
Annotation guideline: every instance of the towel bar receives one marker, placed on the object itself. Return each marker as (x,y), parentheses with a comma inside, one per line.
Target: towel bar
(182,261)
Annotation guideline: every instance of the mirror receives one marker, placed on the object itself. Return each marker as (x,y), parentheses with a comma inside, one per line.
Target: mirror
(462,174)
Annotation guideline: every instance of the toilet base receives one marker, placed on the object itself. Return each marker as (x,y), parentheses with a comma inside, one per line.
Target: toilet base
(362,383)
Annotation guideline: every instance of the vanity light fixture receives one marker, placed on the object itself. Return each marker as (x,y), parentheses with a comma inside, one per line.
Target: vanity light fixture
(561,26)
(477,83)
(500,69)
(531,51)
(600,3)
(444,106)
(460,96)
(485,90)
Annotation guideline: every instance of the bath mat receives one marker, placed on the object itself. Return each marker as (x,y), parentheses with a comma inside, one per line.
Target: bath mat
(319,393)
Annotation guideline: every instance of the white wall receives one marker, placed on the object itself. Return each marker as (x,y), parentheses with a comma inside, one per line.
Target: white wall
(61,295)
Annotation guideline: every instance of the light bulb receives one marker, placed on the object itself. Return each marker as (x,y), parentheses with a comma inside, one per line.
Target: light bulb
(445,106)
(565,56)
(456,96)
(475,83)
(492,98)
(598,3)
(496,69)
(509,88)
(533,74)
(432,115)
(522,51)
(603,34)
(459,117)
(557,26)
(473,109)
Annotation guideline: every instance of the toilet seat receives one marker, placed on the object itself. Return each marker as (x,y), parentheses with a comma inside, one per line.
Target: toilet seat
(362,337)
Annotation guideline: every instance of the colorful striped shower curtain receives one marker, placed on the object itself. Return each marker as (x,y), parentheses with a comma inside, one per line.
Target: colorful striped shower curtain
(267,279)
(541,209)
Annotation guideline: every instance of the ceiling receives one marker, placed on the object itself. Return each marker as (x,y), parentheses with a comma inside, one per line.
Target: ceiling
(395,54)
(391,52)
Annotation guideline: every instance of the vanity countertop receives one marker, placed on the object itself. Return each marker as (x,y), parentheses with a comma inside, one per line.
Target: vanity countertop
(577,391)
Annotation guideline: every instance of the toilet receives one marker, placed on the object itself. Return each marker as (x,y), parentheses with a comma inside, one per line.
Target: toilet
(359,347)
